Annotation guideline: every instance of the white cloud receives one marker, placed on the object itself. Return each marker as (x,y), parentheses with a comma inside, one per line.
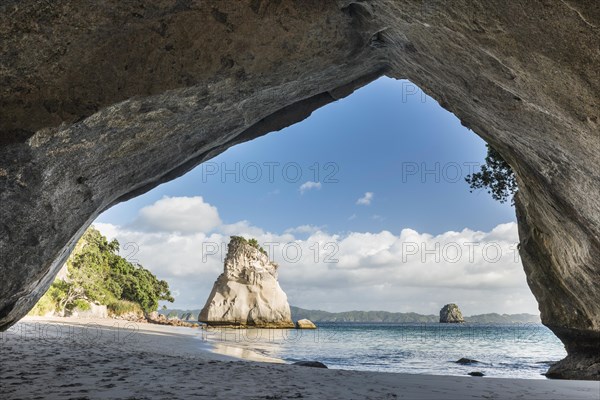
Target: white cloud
(352,217)
(366,199)
(178,214)
(304,229)
(409,271)
(310,185)
(480,271)
(241,228)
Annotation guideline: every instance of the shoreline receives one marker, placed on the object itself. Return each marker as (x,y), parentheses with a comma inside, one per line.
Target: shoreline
(117,359)
(305,345)
(123,330)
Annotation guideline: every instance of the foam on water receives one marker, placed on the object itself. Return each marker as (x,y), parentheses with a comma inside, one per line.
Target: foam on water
(516,350)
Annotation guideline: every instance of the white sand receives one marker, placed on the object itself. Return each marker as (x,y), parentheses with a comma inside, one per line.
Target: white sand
(107,359)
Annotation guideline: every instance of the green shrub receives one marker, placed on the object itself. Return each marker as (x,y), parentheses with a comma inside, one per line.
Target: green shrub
(50,301)
(120,307)
(252,242)
(45,305)
(81,305)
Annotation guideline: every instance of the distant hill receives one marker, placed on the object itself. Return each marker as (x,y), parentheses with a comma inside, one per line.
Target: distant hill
(494,318)
(191,315)
(384,316)
(360,316)
(389,317)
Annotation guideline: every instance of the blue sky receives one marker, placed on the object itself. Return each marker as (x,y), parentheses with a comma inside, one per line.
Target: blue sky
(370,174)
(388,138)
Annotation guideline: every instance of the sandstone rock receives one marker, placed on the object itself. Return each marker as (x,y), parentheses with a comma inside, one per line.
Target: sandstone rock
(450,314)
(133,316)
(161,319)
(573,365)
(102,101)
(313,364)
(95,311)
(154,315)
(305,324)
(247,292)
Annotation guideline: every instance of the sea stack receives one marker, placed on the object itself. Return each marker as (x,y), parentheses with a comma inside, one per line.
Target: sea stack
(247,293)
(450,314)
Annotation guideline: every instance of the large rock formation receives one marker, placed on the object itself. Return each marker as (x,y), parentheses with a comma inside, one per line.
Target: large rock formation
(102,101)
(247,293)
(451,314)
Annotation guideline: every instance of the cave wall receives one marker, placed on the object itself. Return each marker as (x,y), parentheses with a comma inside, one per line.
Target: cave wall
(102,101)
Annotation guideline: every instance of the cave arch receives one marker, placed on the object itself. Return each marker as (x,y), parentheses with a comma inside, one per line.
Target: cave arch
(103,102)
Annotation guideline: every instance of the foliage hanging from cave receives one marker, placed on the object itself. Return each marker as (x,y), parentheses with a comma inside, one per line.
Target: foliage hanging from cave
(97,273)
(496,176)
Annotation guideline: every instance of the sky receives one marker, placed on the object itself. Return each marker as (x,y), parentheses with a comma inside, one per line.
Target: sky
(363,205)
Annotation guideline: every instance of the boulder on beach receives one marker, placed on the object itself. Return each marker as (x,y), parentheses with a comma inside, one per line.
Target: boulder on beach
(160,319)
(476,373)
(451,314)
(154,315)
(313,364)
(247,293)
(305,324)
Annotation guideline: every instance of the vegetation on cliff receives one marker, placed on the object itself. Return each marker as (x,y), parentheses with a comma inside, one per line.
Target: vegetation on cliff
(496,176)
(97,273)
(252,242)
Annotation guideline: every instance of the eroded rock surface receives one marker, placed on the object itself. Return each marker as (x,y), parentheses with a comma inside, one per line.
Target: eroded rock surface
(103,101)
(305,324)
(247,293)
(451,314)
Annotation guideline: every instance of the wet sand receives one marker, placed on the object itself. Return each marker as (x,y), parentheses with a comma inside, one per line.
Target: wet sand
(47,358)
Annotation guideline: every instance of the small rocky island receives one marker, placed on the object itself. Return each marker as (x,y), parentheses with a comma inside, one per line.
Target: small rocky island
(451,314)
(247,293)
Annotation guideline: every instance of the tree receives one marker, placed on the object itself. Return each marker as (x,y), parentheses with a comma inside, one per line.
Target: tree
(496,176)
(97,273)
(89,268)
(144,288)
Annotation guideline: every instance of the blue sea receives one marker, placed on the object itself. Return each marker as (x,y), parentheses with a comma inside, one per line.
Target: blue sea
(515,350)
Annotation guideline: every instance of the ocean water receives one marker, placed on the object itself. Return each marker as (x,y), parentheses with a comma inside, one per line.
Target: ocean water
(515,350)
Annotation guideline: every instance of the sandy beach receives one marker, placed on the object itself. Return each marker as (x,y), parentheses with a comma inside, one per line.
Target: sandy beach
(107,359)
